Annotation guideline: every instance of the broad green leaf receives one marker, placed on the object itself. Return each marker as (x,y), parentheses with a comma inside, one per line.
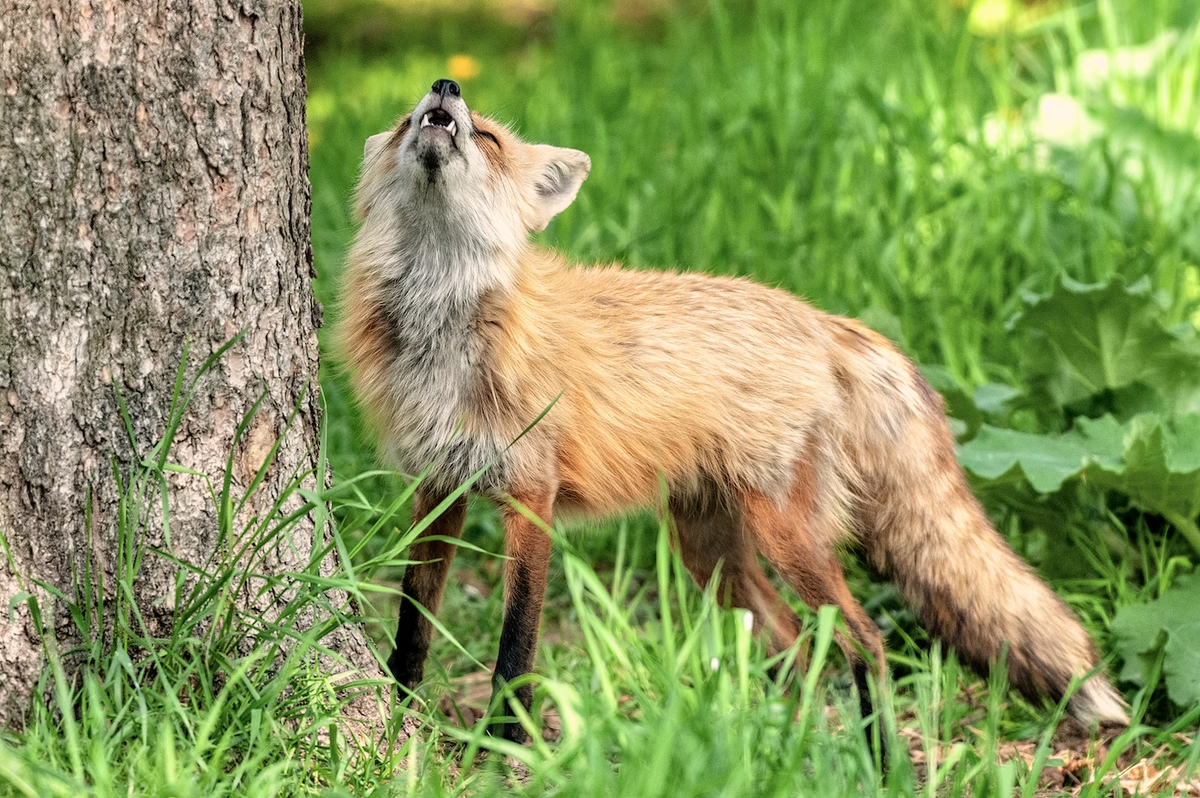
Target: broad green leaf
(1088,339)
(1152,461)
(1046,461)
(1172,623)
(1160,466)
(992,398)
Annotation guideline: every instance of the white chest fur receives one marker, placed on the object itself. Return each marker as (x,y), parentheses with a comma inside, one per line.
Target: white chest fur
(432,297)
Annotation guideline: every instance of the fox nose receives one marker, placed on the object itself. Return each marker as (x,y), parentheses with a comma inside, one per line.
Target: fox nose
(443,87)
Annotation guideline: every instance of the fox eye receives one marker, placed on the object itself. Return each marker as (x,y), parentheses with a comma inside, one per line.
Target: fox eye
(485,134)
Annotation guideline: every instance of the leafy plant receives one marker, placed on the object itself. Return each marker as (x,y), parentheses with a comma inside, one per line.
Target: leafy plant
(1105,343)
(1103,349)
(1168,627)
(1154,462)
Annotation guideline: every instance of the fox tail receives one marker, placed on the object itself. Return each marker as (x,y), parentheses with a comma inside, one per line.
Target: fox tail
(923,526)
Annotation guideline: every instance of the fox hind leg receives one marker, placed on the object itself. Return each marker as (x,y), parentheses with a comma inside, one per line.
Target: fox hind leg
(794,540)
(714,536)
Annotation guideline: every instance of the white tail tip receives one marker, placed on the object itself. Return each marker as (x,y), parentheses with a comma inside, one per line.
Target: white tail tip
(1097,701)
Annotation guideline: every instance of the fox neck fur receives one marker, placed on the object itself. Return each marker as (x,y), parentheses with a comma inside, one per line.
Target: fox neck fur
(436,277)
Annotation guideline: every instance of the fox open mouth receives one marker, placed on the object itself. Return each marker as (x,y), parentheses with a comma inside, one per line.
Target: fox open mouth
(439,118)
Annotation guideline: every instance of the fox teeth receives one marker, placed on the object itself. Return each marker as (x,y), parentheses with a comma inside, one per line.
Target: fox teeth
(451,128)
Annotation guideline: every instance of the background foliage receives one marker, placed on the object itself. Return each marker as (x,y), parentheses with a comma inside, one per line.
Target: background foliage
(1009,190)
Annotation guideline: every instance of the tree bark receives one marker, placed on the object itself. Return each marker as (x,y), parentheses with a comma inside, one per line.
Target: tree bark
(154,189)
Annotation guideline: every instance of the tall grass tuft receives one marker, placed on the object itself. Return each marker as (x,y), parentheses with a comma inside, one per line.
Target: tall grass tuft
(242,693)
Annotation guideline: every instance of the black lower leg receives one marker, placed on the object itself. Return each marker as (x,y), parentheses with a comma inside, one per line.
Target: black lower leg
(424,580)
(414,633)
(874,730)
(528,550)
(518,649)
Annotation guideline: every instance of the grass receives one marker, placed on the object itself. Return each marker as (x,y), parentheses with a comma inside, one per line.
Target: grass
(874,157)
(663,693)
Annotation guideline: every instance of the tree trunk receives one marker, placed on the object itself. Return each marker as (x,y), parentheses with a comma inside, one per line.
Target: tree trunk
(153,180)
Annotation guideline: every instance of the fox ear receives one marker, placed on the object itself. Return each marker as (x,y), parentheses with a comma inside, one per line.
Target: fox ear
(556,176)
(369,173)
(374,145)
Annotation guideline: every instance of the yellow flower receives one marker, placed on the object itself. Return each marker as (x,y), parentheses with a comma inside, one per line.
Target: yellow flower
(462,67)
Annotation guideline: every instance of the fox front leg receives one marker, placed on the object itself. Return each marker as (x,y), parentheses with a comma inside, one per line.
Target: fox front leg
(424,582)
(528,547)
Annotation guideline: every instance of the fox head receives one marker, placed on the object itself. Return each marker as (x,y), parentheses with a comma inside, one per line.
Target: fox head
(450,171)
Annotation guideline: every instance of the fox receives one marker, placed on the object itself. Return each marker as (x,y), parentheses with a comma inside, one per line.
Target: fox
(779,429)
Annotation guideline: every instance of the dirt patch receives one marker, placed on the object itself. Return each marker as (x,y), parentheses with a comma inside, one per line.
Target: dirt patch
(1076,755)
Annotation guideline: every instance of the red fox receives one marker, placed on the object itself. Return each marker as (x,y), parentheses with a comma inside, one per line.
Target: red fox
(780,429)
